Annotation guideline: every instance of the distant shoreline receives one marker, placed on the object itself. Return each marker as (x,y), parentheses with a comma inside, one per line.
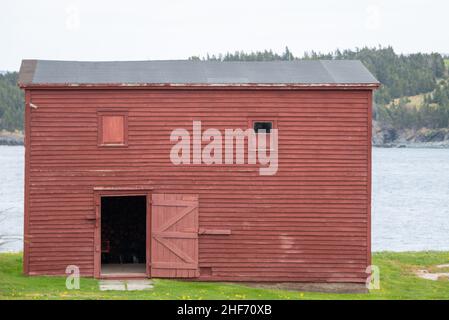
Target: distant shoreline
(423,145)
(11,138)
(427,145)
(17,139)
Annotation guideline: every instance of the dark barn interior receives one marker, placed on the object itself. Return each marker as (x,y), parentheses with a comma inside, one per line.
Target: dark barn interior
(123,234)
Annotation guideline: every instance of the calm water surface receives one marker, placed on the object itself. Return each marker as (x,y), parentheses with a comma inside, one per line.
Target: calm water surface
(410,199)
(11,197)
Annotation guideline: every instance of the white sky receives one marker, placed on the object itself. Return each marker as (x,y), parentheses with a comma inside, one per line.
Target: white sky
(177,29)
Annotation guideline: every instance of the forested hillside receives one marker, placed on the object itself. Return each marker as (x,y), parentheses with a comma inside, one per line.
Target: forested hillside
(403,77)
(400,75)
(11,103)
(395,118)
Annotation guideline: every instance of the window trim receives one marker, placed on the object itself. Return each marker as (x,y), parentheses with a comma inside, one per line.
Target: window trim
(263,118)
(100,115)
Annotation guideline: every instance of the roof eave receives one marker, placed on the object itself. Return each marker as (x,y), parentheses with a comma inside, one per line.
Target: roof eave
(359,86)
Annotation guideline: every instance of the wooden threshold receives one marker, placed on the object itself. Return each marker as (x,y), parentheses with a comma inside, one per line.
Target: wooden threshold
(124,276)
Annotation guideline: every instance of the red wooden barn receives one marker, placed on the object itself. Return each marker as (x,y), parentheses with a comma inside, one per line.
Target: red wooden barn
(102,193)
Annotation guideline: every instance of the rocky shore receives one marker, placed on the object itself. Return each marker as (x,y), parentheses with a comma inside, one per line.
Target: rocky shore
(11,138)
(389,137)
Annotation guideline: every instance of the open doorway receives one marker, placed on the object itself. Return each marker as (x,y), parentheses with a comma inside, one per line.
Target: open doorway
(123,235)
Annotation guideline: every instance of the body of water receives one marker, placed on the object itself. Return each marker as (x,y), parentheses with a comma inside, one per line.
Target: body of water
(11,197)
(410,205)
(410,199)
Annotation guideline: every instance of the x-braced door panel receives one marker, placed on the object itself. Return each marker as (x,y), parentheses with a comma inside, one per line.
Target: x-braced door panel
(174,236)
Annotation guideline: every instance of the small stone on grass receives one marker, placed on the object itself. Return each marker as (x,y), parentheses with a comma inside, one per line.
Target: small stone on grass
(139,285)
(123,285)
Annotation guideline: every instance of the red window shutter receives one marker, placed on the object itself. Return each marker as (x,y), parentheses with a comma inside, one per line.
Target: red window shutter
(174,236)
(113,130)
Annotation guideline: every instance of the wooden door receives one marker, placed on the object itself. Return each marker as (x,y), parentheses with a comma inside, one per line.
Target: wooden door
(174,236)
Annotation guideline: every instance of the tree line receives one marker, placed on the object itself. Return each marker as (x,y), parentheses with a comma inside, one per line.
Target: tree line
(401,76)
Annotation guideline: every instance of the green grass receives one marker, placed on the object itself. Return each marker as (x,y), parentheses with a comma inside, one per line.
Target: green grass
(446,62)
(397,281)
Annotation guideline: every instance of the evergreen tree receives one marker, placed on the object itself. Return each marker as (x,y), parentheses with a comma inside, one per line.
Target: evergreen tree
(11,102)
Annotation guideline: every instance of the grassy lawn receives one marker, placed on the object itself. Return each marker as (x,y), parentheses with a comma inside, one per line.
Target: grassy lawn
(397,281)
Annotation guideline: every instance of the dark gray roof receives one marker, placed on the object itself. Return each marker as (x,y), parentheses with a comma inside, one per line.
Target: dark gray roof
(40,72)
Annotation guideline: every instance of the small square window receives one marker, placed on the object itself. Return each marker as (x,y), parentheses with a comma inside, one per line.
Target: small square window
(112,129)
(262,126)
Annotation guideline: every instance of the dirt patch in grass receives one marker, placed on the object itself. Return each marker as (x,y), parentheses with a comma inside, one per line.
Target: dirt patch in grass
(312,287)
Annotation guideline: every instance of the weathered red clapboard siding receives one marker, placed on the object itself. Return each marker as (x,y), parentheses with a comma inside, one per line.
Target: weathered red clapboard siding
(309,222)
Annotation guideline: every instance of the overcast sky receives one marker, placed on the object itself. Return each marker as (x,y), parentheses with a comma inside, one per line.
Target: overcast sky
(177,29)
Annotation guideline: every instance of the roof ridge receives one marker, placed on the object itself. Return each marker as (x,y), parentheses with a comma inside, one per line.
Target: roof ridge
(322,62)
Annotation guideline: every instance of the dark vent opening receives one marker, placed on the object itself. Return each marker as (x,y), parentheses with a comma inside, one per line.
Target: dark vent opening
(263,127)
